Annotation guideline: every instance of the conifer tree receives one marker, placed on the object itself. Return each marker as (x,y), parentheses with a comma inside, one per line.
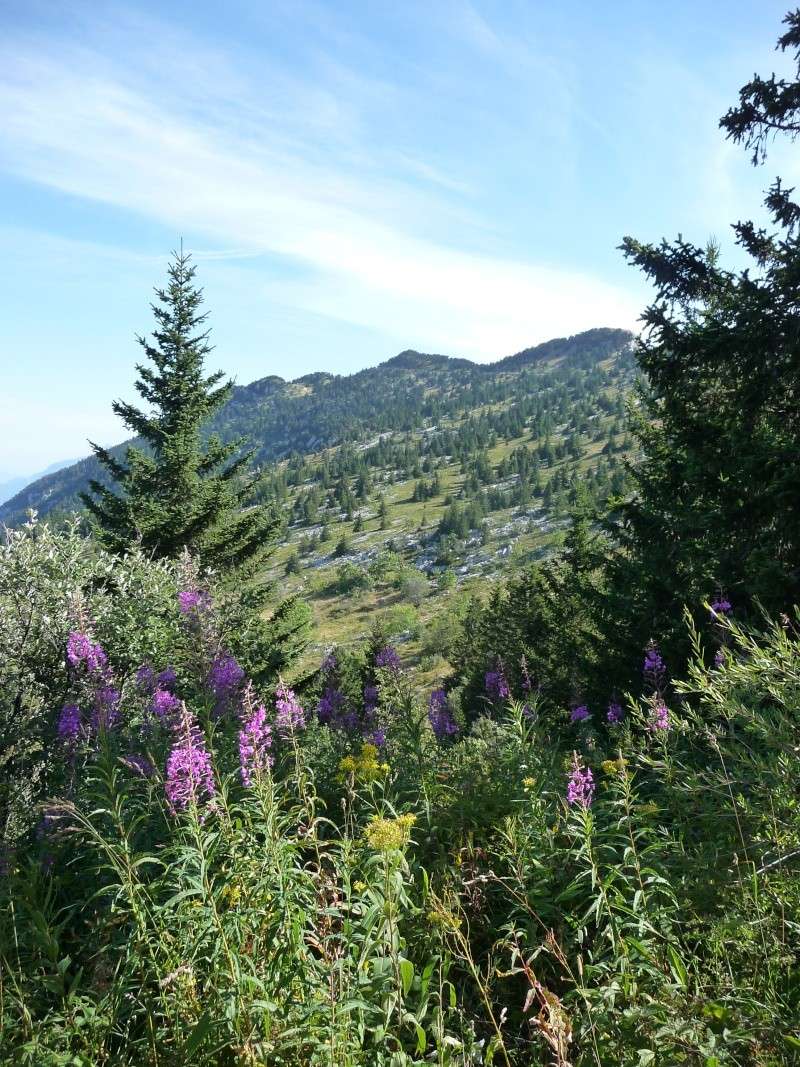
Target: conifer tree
(715,501)
(383,513)
(178,489)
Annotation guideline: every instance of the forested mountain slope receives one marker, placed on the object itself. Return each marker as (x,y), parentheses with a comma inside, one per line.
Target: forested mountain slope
(318,411)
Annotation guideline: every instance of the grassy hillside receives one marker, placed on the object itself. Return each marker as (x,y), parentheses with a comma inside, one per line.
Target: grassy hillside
(397,526)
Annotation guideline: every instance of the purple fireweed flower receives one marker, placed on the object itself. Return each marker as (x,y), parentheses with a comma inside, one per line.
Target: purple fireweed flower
(495,684)
(440,716)
(614,714)
(255,741)
(719,657)
(81,650)
(659,718)
(289,715)
(333,711)
(371,698)
(165,705)
(225,679)
(580,784)
(146,678)
(167,678)
(140,765)
(69,724)
(347,720)
(193,601)
(377,737)
(105,714)
(653,663)
(388,659)
(720,606)
(330,704)
(579,714)
(189,778)
(437,699)
(653,667)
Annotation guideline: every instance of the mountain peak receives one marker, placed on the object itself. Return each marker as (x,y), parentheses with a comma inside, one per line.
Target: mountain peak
(410,359)
(598,343)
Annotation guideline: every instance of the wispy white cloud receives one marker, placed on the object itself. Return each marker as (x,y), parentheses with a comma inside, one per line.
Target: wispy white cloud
(294,177)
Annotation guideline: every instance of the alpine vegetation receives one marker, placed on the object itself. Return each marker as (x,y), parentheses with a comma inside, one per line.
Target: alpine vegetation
(544,816)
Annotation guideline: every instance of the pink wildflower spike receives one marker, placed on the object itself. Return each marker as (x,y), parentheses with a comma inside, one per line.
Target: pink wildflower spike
(189,774)
(289,714)
(255,741)
(580,785)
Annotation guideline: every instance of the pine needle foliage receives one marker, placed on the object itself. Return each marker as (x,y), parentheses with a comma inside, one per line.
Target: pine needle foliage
(178,490)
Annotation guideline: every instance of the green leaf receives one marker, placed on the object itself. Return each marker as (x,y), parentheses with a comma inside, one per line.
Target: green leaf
(422,1039)
(198,1034)
(494,1044)
(406,975)
(677,966)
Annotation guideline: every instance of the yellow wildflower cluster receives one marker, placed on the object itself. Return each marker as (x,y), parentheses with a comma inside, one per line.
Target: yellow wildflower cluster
(386,835)
(614,766)
(444,918)
(231,895)
(364,767)
(528,783)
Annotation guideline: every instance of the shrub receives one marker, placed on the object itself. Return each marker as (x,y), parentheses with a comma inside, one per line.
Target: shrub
(414,587)
(223,874)
(401,619)
(350,578)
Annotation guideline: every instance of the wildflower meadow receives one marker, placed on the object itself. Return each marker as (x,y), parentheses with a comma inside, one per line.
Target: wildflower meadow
(200,869)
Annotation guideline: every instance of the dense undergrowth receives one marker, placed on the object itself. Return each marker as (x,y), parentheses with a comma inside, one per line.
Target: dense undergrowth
(198,869)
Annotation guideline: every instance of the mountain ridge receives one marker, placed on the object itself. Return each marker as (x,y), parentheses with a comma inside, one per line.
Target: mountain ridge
(320,410)
(10,487)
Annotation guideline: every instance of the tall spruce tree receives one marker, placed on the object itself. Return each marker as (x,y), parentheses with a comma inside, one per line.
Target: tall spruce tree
(180,490)
(716,503)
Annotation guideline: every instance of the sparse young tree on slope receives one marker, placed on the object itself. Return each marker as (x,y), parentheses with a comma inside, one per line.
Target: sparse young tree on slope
(180,490)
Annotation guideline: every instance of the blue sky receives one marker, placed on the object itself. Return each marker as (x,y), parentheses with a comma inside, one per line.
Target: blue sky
(353,179)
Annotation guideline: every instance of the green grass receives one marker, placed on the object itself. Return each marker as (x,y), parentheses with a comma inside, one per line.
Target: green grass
(346,618)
